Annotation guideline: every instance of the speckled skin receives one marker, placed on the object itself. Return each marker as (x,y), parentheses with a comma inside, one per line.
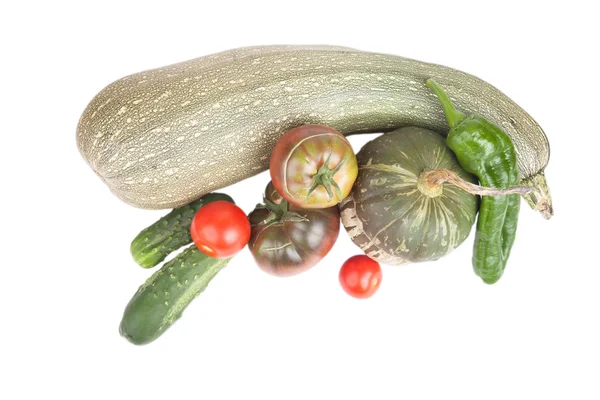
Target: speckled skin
(164,137)
(161,300)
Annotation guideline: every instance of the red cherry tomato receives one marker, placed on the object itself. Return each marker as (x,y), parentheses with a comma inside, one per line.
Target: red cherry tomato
(360,276)
(220,229)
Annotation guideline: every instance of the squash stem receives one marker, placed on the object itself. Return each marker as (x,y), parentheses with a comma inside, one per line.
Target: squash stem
(452,114)
(539,198)
(440,176)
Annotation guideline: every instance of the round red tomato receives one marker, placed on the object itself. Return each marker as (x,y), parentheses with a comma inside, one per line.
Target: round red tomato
(360,276)
(286,239)
(313,166)
(220,229)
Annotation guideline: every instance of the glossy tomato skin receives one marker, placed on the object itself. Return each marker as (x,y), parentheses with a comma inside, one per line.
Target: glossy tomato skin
(220,229)
(296,160)
(360,276)
(289,248)
(272,194)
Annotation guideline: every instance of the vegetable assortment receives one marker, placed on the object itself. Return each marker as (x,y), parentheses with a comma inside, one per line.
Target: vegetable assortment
(166,138)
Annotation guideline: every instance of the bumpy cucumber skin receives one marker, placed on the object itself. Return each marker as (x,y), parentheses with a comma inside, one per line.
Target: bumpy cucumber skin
(160,301)
(153,244)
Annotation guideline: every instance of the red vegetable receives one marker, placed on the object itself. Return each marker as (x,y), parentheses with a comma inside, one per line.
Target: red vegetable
(360,276)
(220,229)
(313,166)
(286,239)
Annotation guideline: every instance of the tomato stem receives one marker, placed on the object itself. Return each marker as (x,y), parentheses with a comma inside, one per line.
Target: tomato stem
(280,213)
(324,177)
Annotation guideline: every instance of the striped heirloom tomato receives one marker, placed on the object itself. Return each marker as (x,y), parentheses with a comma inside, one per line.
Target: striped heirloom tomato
(313,166)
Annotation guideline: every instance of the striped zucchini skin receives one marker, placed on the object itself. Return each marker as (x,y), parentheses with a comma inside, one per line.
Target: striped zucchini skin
(163,137)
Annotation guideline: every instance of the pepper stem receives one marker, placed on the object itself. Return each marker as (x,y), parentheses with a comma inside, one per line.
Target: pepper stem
(452,114)
(440,176)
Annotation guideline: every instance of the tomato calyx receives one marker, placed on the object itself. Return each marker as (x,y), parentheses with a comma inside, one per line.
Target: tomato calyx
(324,177)
(279,213)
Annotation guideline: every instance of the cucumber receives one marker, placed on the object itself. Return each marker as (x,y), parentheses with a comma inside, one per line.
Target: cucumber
(160,301)
(164,137)
(153,244)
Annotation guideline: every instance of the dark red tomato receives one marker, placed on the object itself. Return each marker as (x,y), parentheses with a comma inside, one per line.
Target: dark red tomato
(272,194)
(220,229)
(287,240)
(313,166)
(360,276)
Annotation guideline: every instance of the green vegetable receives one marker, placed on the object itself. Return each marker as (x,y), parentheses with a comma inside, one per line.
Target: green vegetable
(394,213)
(486,151)
(153,244)
(160,301)
(164,137)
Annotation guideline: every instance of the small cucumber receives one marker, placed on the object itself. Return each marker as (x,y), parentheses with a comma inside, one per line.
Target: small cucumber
(161,300)
(152,245)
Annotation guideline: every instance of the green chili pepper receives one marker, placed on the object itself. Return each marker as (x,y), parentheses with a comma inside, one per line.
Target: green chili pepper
(486,151)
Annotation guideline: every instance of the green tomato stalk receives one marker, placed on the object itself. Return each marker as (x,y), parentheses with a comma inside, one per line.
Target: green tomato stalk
(324,177)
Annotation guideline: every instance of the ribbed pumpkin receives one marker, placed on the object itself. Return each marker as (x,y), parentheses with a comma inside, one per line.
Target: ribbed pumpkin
(393,214)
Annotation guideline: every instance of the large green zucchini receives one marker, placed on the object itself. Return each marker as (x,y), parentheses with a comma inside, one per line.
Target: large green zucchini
(164,137)
(393,214)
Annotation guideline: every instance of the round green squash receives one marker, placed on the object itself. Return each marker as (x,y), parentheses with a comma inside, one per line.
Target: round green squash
(393,214)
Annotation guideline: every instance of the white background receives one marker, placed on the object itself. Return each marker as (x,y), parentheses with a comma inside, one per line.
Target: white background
(433,331)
